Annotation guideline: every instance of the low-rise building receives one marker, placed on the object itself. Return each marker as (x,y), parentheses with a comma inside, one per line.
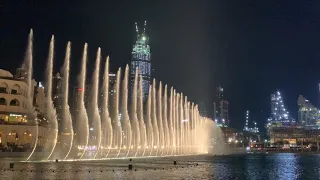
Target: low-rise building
(17,126)
(294,136)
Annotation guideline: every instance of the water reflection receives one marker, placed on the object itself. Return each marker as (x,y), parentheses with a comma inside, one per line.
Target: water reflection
(259,166)
(286,166)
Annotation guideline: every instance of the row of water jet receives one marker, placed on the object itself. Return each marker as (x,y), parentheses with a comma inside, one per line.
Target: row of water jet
(170,126)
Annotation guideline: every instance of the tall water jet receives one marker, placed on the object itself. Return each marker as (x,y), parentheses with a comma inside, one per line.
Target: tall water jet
(193,128)
(117,124)
(143,132)
(171,121)
(106,121)
(27,64)
(154,118)
(134,117)
(174,122)
(189,139)
(67,120)
(82,116)
(95,116)
(126,119)
(150,131)
(185,124)
(160,121)
(181,124)
(51,112)
(165,120)
(197,127)
(178,123)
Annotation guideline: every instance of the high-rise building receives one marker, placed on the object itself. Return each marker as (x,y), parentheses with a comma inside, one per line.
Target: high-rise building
(246,125)
(279,114)
(202,109)
(57,97)
(112,90)
(141,59)
(76,95)
(308,114)
(221,108)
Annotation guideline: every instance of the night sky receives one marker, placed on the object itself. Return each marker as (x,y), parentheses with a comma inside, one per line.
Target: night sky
(251,48)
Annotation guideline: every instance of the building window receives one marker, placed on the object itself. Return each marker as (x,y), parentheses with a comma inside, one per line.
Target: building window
(3,90)
(3,101)
(14,91)
(14,102)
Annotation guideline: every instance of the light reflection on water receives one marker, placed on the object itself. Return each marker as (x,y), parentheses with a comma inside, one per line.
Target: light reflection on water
(250,166)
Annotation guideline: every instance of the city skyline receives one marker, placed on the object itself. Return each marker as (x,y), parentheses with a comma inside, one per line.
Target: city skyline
(258,65)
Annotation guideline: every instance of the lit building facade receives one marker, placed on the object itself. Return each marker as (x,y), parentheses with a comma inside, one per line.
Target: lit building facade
(141,59)
(221,109)
(76,97)
(279,113)
(16,127)
(13,99)
(308,114)
(57,97)
(294,136)
(246,125)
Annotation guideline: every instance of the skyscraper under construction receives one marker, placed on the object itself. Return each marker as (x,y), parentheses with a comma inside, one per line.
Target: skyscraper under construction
(141,59)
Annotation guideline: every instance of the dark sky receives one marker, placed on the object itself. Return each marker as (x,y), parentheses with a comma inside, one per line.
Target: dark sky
(251,48)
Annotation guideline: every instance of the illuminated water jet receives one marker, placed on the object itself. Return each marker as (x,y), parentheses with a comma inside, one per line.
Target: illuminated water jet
(82,117)
(96,121)
(171,126)
(51,111)
(28,63)
(106,121)
(67,120)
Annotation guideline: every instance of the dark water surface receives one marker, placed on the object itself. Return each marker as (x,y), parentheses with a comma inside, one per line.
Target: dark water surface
(247,166)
